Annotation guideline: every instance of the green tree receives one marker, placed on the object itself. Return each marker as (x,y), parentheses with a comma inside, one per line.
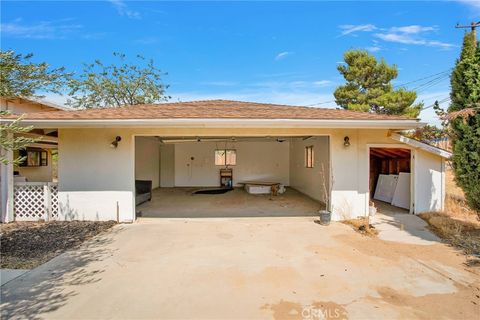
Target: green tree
(103,86)
(11,139)
(465,128)
(22,78)
(368,87)
(426,133)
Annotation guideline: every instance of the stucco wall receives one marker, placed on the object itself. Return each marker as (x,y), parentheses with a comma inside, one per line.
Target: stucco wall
(96,181)
(88,164)
(260,161)
(167,166)
(430,186)
(147,160)
(310,181)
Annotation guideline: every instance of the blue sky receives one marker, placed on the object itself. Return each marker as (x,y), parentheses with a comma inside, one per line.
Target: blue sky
(280,52)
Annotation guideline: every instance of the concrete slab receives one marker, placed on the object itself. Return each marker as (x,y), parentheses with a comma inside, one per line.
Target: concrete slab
(181,203)
(245,268)
(396,224)
(7,275)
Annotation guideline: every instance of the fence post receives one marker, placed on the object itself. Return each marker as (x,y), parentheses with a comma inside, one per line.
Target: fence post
(47,200)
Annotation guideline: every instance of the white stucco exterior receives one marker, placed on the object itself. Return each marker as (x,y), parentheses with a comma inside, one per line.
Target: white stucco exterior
(95,180)
(310,181)
(147,160)
(258,160)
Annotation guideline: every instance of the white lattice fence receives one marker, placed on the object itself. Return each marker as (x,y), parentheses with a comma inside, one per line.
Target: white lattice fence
(35,200)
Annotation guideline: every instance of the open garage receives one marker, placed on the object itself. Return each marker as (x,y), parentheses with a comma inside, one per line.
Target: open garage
(231,176)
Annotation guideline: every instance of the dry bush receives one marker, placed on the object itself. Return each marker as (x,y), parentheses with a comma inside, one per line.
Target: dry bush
(363,226)
(458,225)
(458,209)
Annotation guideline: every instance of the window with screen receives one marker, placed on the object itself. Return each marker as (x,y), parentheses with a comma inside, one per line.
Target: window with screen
(309,157)
(225,157)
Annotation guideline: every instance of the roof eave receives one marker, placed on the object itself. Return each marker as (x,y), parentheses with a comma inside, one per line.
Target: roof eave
(227,123)
(421,145)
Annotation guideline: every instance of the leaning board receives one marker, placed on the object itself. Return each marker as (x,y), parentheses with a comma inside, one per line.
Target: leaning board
(385,187)
(401,196)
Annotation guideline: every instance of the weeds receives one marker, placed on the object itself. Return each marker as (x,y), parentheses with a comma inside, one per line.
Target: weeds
(457,225)
(363,226)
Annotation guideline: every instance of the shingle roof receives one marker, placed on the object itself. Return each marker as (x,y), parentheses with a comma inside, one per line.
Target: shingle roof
(211,109)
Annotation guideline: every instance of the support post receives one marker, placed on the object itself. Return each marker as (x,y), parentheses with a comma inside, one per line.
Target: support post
(6,176)
(47,201)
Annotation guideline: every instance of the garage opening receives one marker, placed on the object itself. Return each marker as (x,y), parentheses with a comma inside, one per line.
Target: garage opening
(390,177)
(264,176)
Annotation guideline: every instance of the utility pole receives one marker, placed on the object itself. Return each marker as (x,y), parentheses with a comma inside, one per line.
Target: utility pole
(473,26)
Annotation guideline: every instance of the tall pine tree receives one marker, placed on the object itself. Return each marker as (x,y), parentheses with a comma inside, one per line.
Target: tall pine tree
(368,87)
(465,131)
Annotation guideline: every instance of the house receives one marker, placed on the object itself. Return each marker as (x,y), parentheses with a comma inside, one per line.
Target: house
(39,163)
(332,156)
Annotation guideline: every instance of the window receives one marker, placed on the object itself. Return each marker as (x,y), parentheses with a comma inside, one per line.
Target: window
(227,157)
(309,157)
(34,158)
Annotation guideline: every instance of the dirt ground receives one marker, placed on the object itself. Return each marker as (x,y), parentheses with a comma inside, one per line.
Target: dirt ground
(247,268)
(26,245)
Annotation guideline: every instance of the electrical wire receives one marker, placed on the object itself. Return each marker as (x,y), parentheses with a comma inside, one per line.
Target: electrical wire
(437,78)
(447,99)
(424,78)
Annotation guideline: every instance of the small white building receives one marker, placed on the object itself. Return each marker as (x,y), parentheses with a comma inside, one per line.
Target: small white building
(332,156)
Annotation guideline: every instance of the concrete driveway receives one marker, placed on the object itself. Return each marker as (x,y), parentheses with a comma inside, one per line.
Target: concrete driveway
(246,268)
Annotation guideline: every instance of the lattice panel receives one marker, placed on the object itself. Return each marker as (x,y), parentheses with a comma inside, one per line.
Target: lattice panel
(29,202)
(54,200)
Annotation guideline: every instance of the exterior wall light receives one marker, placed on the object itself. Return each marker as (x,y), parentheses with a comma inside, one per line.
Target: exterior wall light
(115,142)
(346,141)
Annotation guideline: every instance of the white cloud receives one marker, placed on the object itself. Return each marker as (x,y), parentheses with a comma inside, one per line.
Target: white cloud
(40,30)
(283,55)
(123,9)
(322,83)
(373,48)
(474,4)
(413,29)
(351,29)
(409,39)
(292,85)
(219,83)
(411,35)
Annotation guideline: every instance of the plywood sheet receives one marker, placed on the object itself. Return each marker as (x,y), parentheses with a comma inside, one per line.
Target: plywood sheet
(401,196)
(386,187)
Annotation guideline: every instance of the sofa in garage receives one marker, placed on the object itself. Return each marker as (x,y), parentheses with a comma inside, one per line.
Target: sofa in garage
(143,191)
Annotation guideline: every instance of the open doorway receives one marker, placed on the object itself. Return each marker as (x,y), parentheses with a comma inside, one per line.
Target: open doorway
(247,176)
(390,177)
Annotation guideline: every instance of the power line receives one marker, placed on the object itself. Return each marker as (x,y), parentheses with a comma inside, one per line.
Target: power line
(439,77)
(429,84)
(447,99)
(319,103)
(424,78)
